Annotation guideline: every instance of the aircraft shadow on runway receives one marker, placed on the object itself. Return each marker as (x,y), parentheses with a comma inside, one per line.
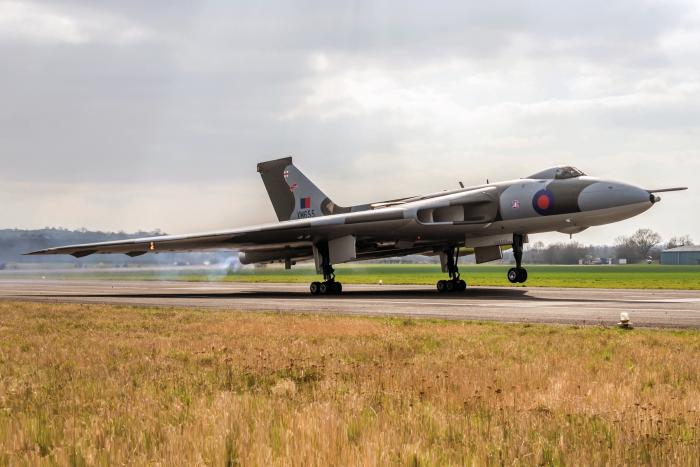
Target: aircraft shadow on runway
(303,295)
(515,294)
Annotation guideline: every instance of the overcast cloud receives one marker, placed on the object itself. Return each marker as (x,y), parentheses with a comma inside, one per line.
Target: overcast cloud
(136,115)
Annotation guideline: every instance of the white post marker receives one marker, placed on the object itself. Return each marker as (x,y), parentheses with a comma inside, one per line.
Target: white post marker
(625,321)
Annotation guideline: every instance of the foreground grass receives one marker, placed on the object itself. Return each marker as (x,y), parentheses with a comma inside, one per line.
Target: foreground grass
(611,277)
(104,385)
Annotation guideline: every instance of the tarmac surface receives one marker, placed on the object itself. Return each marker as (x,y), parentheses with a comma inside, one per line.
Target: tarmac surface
(648,308)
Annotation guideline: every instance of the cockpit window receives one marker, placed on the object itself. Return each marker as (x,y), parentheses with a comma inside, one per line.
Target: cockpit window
(559,173)
(568,172)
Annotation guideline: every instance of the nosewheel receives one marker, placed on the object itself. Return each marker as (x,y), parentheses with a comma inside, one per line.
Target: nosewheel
(518,274)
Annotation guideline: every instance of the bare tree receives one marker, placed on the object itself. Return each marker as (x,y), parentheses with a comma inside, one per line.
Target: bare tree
(636,247)
(684,240)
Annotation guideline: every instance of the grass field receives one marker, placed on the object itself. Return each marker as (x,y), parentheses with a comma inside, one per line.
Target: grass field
(614,277)
(95,384)
(631,276)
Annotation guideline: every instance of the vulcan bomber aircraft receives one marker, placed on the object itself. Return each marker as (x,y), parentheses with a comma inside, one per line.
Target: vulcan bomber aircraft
(480,220)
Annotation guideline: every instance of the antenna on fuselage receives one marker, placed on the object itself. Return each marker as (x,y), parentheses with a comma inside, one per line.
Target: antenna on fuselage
(461,185)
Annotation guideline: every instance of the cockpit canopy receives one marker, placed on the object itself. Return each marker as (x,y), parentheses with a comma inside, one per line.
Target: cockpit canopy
(558,173)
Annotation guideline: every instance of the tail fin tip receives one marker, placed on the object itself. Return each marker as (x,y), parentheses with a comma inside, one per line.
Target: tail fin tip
(271,165)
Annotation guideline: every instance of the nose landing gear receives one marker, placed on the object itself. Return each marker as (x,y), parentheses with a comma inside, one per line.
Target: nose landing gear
(455,283)
(518,274)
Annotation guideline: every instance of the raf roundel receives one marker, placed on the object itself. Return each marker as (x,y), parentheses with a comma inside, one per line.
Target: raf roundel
(543,202)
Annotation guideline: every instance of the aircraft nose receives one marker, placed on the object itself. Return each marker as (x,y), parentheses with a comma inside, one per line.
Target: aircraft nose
(603,195)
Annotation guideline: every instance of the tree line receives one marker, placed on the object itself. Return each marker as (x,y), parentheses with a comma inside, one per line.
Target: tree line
(641,245)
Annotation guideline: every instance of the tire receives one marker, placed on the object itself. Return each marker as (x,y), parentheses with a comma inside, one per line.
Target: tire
(451,286)
(522,275)
(337,288)
(513,275)
(314,288)
(324,288)
(461,285)
(441,286)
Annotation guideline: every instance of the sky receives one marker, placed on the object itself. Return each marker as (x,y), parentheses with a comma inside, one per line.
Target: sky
(129,115)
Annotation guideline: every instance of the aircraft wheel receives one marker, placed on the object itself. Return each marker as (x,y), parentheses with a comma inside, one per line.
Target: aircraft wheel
(315,288)
(337,288)
(461,286)
(442,286)
(325,288)
(522,275)
(517,275)
(450,286)
(513,275)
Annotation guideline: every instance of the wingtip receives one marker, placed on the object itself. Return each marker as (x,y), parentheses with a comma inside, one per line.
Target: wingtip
(34,253)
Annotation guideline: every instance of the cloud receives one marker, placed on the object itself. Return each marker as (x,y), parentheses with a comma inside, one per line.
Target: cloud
(35,22)
(141,104)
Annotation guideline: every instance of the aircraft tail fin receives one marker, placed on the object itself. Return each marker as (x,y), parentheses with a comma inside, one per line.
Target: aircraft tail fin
(292,194)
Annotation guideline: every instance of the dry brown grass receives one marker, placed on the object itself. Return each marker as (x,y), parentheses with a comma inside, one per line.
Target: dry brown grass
(117,385)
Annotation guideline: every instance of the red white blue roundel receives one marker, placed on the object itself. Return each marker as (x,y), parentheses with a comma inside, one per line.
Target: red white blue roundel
(543,202)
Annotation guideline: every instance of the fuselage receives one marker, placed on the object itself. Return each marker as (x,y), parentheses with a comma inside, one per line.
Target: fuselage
(523,206)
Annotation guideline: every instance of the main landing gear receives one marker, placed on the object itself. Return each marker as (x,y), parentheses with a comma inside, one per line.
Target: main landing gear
(329,286)
(518,274)
(454,284)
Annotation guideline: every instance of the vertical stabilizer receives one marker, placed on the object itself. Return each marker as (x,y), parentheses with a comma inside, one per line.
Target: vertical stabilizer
(292,194)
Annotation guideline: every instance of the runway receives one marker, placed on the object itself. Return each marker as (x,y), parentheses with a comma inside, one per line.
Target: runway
(648,308)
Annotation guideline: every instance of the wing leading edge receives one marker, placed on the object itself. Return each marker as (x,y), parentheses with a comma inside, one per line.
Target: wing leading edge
(209,241)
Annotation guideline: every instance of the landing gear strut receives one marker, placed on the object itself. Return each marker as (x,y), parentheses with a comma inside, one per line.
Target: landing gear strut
(518,274)
(329,286)
(454,284)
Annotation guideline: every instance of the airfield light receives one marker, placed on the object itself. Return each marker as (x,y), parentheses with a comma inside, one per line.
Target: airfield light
(625,321)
